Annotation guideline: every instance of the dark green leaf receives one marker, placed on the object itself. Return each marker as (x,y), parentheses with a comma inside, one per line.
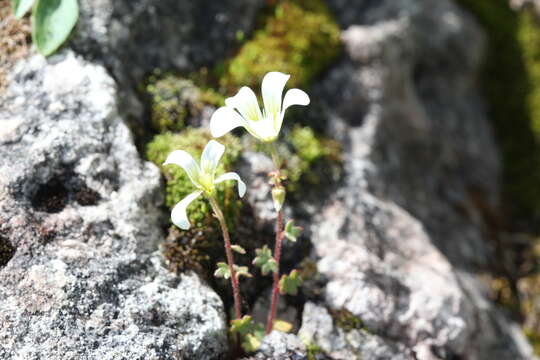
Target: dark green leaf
(52,22)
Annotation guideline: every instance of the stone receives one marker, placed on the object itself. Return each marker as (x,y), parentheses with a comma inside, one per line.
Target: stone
(399,241)
(134,38)
(81,219)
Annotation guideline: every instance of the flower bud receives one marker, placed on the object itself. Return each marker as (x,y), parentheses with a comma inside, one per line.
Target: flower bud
(278,196)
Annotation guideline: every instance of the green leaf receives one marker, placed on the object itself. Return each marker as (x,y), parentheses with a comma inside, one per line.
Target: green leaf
(292,232)
(52,22)
(241,271)
(288,284)
(251,333)
(21,7)
(242,326)
(238,249)
(222,271)
(251,343)
(282,325)
(264,260)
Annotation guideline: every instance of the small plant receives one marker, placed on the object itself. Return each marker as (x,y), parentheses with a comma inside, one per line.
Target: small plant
(203,176)
(242,110)
(52,21)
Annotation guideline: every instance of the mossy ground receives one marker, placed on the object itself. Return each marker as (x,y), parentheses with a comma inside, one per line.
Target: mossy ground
(297,37)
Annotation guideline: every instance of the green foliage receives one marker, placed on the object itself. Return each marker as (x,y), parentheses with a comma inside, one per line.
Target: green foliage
(178,184)
(346,320)
(309,152)
(299,37)
(292,232)
(224,272)
(251,333)
(265,260)
(21,7)
(511,83)
(174,100)
(289,284)
(52,22)
(313,350)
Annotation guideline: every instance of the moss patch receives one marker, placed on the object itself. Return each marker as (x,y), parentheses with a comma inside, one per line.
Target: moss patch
(345,320)
(299,37)
(174,100)
(204,229)
(511,84)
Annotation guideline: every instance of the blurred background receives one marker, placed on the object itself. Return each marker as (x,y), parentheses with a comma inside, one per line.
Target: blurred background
(426,107)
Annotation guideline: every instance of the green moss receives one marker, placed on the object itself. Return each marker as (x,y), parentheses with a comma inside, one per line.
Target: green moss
(310,153)
(313,350)
(511,83)
(345,320)
(175,99)
(299,37)
(188,248)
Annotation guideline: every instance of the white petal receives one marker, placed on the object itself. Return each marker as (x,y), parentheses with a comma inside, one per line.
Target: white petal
(224,120)
(295,97)
(233,176)
(263,130)
(212,153)
(292,97)
(186,161)
(246,103)
(179,213)
(272,91)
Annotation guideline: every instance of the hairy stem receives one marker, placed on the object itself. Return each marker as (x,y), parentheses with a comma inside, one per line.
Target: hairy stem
(277,247)
(275,288)
(228,252)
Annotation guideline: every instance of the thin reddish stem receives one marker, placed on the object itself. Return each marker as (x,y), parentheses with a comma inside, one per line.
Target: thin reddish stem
(230,259)
(275,288)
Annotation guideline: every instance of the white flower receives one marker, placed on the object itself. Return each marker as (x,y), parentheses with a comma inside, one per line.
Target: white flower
(243,109)
(203,177)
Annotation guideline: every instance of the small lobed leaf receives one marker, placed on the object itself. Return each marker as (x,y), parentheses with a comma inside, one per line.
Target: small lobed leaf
(242,326)
(52,22)
(265,260)
(288,284)
(283,326)
(241,271)
(292,232)
(251,343)
(222,271)
(21,7)
(238,249)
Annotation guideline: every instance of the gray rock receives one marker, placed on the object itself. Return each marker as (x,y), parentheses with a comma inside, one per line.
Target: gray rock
(400,239)
(280,346)
(82,214)
(132,38)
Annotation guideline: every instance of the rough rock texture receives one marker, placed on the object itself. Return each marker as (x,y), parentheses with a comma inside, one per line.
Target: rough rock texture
(80,217)
(399,241)
(280,346)
(133,38)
